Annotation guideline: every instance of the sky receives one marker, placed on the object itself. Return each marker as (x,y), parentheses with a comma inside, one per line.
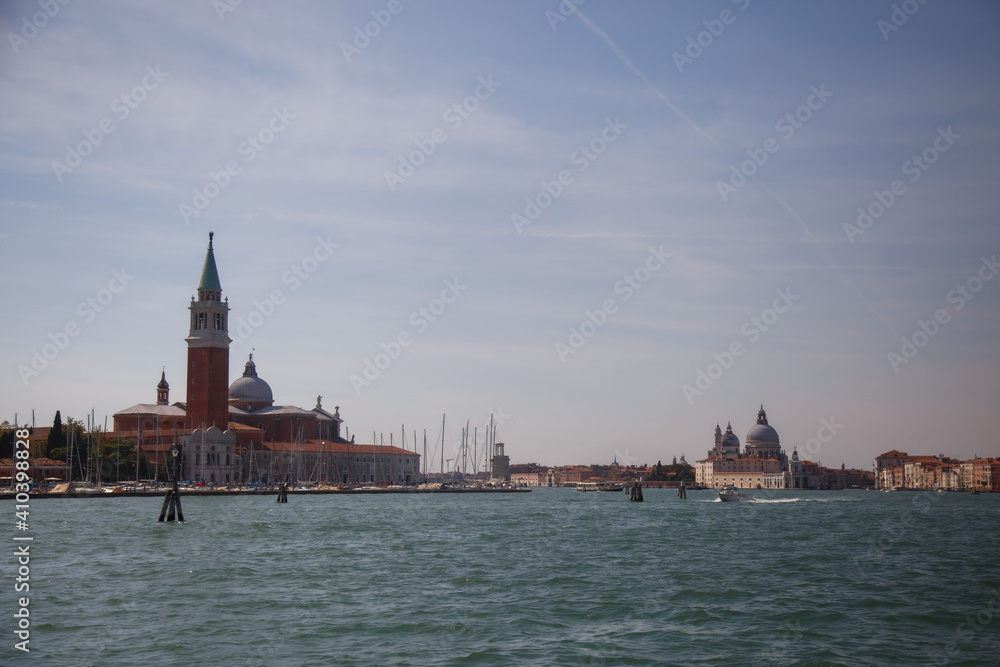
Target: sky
(611,225)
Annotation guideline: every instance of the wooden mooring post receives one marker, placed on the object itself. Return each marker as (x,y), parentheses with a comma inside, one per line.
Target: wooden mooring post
(283,493)
(682,491)
(636,494)
(172,501)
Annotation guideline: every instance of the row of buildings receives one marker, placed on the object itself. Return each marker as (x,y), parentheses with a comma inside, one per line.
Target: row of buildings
(899,470)
(533,474)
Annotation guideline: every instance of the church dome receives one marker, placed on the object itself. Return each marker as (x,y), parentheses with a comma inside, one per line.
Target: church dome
(762,432)
(250,387)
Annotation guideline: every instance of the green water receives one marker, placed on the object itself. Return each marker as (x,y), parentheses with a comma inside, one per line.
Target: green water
(549,577)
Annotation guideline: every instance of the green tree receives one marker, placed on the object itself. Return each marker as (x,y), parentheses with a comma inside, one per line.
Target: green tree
(57,437)
(7,438)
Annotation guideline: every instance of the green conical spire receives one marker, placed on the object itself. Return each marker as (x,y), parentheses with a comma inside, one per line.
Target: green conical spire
(210,274)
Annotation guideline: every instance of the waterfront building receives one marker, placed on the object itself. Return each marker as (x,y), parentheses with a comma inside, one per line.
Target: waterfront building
(899,470)
(762,465)
(233,433)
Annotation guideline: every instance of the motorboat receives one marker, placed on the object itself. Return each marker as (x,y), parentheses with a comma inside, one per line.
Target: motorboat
(731,495)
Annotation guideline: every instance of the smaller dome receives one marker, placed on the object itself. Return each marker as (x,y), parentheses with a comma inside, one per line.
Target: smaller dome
(250,387)
(163,381)
(730,439)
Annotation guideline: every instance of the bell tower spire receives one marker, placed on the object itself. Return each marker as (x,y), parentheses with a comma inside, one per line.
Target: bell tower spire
(163,389)
(208,351)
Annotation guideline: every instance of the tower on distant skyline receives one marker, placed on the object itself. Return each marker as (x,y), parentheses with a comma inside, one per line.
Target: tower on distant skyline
(163,390)
(208,351)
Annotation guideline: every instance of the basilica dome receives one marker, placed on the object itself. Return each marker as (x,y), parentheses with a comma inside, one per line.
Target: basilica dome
(762,432)
(250,387)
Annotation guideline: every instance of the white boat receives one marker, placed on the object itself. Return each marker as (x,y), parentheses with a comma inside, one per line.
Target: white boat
(730,494)
(587,486)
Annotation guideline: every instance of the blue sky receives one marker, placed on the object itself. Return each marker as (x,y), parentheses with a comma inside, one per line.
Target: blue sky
(630,125)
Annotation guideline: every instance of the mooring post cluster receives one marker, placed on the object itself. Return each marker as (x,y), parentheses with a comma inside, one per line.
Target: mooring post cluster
(173,498)
(636,494)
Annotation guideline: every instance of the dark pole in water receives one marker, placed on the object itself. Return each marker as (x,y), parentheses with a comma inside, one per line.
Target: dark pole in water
(172,500)
(636,494)
(283,493)
(682,491)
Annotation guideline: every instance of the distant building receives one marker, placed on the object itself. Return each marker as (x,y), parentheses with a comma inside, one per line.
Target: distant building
(762,464)
(233,433)
(899,470)
(500,464)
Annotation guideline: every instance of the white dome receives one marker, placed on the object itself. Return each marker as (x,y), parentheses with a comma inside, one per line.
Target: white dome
(250,387)
(762,433)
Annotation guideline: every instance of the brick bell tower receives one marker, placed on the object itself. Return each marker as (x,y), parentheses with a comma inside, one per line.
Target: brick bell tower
(208,351)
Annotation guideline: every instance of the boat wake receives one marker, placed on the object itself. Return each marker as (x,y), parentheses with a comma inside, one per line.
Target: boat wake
(776,501)
(807,500)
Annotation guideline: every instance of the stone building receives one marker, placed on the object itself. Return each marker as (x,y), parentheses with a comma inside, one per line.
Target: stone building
(231,433)
(762,464)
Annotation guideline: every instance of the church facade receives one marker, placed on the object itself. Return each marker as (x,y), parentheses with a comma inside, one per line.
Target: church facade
(763,464)
(234,433)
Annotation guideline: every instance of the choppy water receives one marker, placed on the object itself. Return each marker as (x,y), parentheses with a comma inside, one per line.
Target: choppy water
(551,577)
